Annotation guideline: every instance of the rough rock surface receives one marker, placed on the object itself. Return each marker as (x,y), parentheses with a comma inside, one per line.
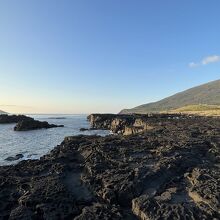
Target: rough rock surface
(131,124)
(6,119)
(31,124)
(171,171)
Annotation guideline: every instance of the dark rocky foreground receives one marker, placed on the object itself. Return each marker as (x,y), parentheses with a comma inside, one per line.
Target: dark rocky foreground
(171,171)
(31,124)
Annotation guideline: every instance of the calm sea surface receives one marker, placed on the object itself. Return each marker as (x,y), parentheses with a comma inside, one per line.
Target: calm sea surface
(34,144)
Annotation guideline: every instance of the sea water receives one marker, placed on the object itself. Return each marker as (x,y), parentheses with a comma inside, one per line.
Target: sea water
(34,144)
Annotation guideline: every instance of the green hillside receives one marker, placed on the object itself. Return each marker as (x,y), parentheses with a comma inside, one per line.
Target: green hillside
(208,94)
(207,110)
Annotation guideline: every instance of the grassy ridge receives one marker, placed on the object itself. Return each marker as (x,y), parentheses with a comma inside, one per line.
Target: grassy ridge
(206,110)
(206,94)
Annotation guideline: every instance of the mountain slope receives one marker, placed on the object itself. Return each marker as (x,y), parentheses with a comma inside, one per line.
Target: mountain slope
(2,112)
(208,94)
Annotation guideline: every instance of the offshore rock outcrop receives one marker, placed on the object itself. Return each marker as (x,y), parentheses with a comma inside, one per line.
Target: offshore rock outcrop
(168,172)
(7,119)
(25,123)
(31,124)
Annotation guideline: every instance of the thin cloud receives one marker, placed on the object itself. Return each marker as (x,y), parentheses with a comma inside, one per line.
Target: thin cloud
(211,59)
(16,106)
(192,64)
(205,61)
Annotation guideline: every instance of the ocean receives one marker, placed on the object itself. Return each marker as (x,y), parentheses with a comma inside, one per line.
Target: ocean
(36,143)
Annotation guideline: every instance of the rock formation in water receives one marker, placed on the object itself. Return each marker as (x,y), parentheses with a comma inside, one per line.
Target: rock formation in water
(31,124)
(16,157)
(170,171)
(84,129)
(25,123)
(7,119)
(57,118)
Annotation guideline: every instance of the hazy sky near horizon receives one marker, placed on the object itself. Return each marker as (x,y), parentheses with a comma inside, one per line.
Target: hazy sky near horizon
(82,56)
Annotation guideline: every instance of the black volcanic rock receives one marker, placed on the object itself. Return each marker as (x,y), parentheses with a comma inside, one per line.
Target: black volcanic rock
(25,123)
(168,172)
(16,157)
(31,124)
(132,124)
(89,129)
(6,119)
(83,129)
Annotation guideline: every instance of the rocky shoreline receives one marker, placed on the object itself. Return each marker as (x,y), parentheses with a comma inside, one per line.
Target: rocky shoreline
(162,167)
(134,123)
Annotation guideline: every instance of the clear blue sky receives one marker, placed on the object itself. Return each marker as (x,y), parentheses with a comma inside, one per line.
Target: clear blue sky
(82,56)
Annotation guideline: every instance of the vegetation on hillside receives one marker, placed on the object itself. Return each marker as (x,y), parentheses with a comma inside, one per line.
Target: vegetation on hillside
(206,94)
(206,110)
(199,108)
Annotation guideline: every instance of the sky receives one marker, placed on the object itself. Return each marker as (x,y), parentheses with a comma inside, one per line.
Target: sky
(84,56)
